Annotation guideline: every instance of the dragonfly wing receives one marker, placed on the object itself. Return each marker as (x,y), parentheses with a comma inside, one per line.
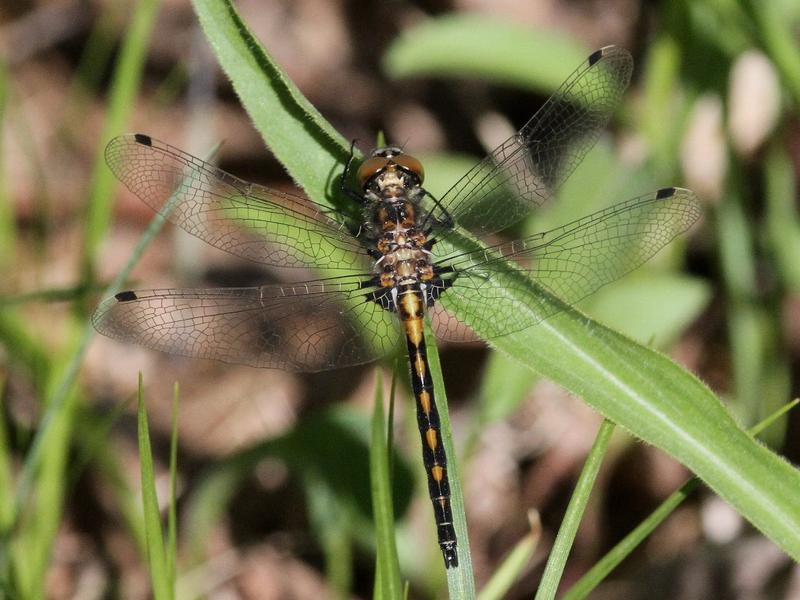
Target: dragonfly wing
(525,170)
(449,327)
(312,326)
(231,214)
(572,262)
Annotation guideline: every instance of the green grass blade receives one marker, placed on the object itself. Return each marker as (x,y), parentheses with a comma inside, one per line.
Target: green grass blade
(332,519)
(771,419)
(6,475)
(387,568)
(36,522)
(156,556)
(172,521)
(66,294)
(577,505)
(124,87)
(782,223)
(46,462)
(472,45)
(460,581)
(8,226)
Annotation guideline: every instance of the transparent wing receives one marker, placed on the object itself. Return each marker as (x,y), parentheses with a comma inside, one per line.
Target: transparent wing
(572,262)
(312,326)
(525,170)
(229,213)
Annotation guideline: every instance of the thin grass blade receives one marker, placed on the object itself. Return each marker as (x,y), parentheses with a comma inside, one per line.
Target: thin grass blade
(156,557)
(387,567)
(572,519)
(172,521)
(514,564)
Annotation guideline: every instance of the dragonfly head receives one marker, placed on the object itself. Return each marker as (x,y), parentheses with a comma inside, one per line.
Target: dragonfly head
(386,159)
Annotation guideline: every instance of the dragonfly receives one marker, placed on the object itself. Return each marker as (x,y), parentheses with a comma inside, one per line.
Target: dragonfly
(395,255)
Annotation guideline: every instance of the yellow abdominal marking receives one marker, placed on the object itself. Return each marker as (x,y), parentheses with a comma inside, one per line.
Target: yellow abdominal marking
(425,401)
(414,331)
(419,366)
(437,473)
(430,436)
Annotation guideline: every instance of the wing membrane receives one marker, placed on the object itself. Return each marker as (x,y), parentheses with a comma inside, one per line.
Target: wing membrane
(572,262)
(231,214)
(312,326)
(525,170)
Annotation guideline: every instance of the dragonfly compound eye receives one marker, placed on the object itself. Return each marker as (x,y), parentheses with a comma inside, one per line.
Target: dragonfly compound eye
(410,164)
(371,167)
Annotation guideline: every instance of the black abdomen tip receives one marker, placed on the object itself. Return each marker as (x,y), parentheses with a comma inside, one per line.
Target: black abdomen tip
(126,296)
(143,139)
(450,557)
(665,193)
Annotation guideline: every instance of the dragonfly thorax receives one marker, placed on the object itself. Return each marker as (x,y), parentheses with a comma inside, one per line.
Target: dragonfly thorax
(404,258)
(392,193)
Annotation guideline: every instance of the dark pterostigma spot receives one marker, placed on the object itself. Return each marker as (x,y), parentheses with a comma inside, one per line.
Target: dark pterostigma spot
(126,296)
(143,139)
(665,193)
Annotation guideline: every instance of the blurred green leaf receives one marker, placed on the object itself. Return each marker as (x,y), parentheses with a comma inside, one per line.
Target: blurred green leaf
(6,476)
(444,169)
(477,46)
(652,308)
(332,520)
(782,222)
(8,225)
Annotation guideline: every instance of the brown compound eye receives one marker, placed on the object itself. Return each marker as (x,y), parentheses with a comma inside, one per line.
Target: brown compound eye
(371,167)
(409,163)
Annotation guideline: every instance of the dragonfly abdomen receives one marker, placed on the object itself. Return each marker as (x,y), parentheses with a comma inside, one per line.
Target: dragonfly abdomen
(411,307)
